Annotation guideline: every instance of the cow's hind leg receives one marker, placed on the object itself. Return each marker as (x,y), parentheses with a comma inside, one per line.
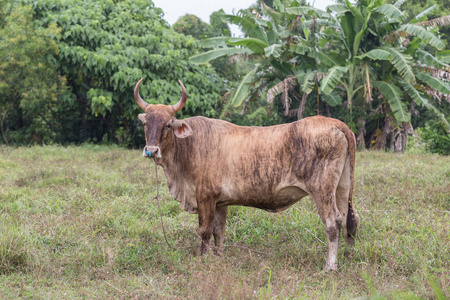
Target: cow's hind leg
(332,218)
(220,219)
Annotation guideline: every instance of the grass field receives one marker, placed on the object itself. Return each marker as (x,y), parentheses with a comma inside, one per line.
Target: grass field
(82,222)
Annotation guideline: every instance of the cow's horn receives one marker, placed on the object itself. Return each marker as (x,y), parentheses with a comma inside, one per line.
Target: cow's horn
(177,107)
(142,104)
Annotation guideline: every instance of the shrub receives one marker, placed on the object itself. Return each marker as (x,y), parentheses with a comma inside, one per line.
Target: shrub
(436,138)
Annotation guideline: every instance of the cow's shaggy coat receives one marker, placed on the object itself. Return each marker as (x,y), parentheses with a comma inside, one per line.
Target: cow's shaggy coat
(211,164)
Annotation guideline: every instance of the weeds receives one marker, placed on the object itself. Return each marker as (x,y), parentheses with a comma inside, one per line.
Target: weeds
(81,222)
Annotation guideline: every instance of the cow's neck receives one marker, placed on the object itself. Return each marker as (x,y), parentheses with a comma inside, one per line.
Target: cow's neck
(179,177)
(170,162)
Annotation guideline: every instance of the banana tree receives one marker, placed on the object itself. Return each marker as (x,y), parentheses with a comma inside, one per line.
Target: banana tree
(370,50)
(357,51)
(270,35)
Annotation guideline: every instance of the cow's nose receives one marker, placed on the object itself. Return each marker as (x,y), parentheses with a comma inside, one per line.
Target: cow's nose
(150,151)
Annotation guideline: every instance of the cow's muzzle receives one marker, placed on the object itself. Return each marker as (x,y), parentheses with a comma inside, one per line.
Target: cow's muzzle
(152,152)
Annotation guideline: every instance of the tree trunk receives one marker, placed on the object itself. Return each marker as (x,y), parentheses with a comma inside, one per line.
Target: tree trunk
(387,129)
(3,131)
(327,110)
(3,119)
(398,143)
(51,128)
(360,142)
(318,102)
(392,138)
(301,106)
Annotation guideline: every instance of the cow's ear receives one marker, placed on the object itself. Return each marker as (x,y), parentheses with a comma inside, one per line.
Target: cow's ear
(142,118)
(181,129)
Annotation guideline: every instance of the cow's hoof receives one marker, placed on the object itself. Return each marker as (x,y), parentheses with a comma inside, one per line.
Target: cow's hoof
(330,268)
(205,250)
(350,241)
(218,252)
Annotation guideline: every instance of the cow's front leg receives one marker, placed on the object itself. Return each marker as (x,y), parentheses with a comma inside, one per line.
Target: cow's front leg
(219,228)
(206,211)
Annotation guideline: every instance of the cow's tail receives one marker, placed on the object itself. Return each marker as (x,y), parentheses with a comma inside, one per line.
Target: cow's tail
(352,215)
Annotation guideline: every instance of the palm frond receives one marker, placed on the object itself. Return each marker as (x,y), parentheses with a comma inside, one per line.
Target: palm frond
(320,22)
(215,42)
(395,99)
(329,58)
(240,93)
(308,82)
(307,11)
(255,45)
(426,12)
(435,83)
(376,54)
(422,100)
(439,73)
(205,57)
(402,62)
(338,8)
(247,24)
(285,99)
(444,56)
(391,11)
(268,11)
(432,93)
(333,99)
(281,87)
(332,79)
(274,50)
(399,3)
(428,60)
(441,21)
(423,34)
(418,31)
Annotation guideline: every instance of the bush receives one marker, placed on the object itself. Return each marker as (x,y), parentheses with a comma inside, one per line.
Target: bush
(436,138)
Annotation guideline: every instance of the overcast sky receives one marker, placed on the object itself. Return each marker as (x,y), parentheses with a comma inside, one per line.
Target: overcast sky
(173,9)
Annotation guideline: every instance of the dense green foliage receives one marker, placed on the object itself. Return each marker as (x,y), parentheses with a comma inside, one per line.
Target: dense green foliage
(436,141)
(192,25)
(105,47)
(68,68)
(29,82)
(82,223)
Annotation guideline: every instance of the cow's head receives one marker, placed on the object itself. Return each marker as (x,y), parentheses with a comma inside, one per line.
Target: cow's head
(160,125)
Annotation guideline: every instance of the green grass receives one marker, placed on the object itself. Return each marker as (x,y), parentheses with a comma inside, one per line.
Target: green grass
(82,222)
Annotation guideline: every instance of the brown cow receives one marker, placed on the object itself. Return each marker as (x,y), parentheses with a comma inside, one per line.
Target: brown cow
(211,164)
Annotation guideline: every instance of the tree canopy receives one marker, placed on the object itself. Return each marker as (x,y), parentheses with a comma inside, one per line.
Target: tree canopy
(104,48)
(28,78)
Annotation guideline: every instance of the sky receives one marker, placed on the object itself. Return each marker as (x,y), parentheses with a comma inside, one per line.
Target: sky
(173,9)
